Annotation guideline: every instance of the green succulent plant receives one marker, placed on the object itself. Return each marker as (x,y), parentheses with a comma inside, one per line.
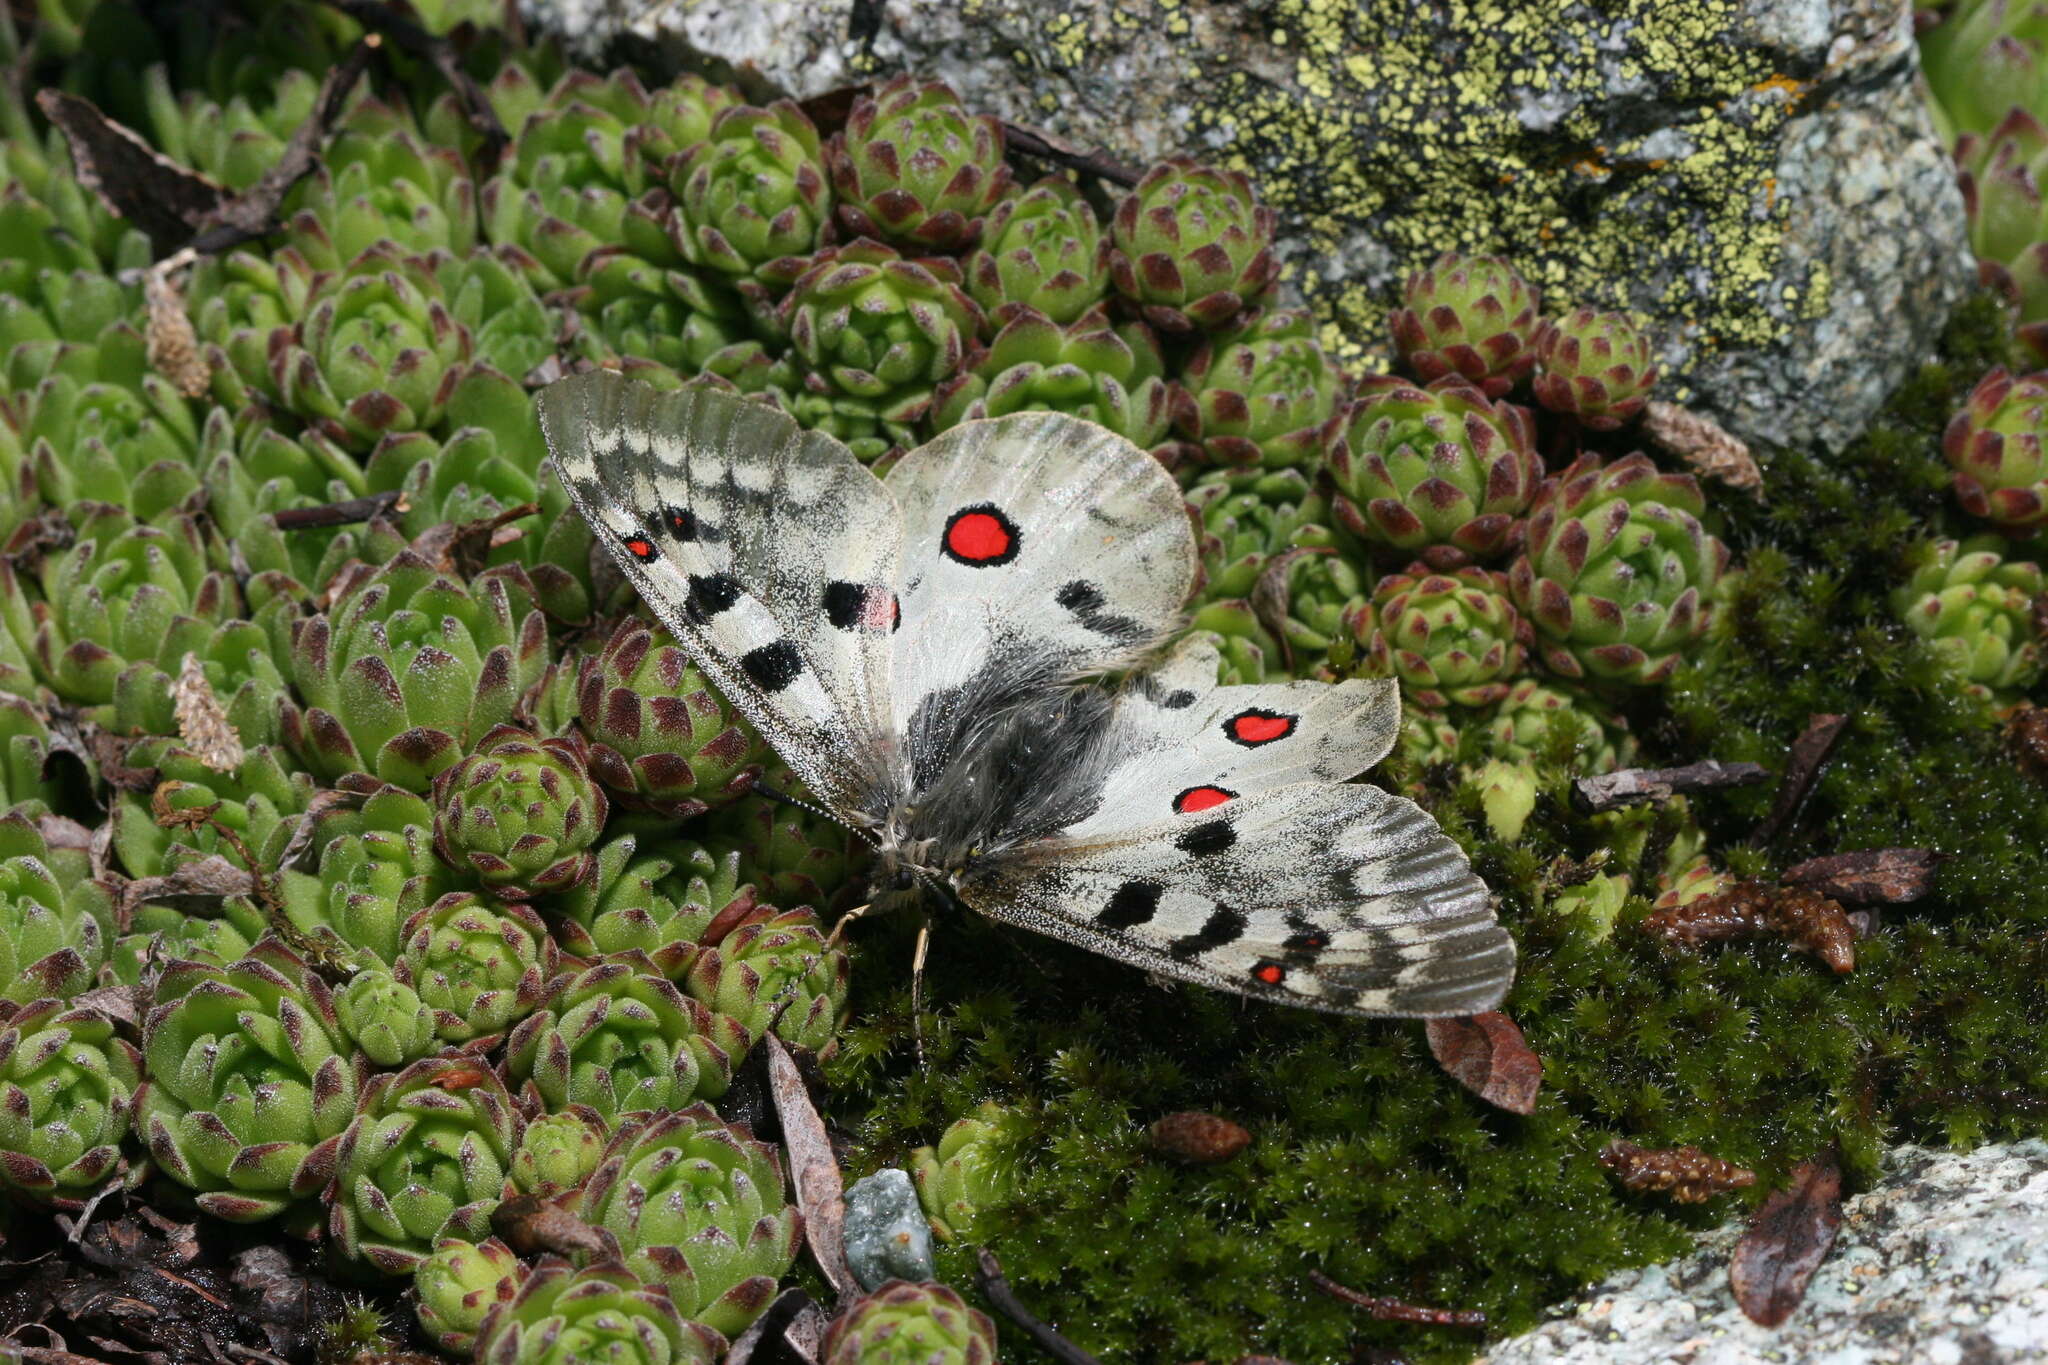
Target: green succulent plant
(180,820)
(377,180)
(788,855)
(1470,316)
(661,739)
(661,902)
(519,814)
(1976,607)
(908,1323)
(410,668)
(698,1207)
(67,1080)
(386,1018)
(752,199)
(233,140)
(424,1159)
(1451,638)
(562,1316)
(1249,516)
(914,169)
(458,1285)
(1982,60)
(376,869)
(971,1173)
(1262,393)
(776,970)
(1999,171)
(250,1082)
(1597,367)
(79,439)
(56,921)
(1618,574)
(1441,473)
(479,967)
(1308,598)
(620,1039)
(874,335)
(1539,718)
(1110,374)
(1043,251)
(69,321)
(559,1151)
(30,777)
(1507,795)
(1998,447)
(1191,247)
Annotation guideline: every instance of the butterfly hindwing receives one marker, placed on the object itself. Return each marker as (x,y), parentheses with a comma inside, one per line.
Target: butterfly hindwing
(769,551)
(1037,548)
(1340,898)
(1181,743)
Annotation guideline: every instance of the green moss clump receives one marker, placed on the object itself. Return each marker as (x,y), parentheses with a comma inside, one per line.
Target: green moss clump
(1369,1164)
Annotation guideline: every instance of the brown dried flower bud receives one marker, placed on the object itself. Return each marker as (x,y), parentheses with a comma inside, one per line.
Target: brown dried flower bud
(1813,922)
(1687,1174)
(1203,1139)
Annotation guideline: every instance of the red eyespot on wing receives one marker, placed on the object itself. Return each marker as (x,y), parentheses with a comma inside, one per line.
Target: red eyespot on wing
(640,547)
(1271,973)
(1201,798)
(980,536)
(1255,727)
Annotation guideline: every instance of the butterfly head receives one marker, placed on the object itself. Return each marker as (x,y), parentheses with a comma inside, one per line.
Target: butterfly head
(905,869)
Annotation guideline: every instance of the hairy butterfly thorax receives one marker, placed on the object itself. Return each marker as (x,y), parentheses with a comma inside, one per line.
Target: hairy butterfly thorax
(911,649)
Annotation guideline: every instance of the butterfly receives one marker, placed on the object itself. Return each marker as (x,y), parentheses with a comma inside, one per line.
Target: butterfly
(919,650)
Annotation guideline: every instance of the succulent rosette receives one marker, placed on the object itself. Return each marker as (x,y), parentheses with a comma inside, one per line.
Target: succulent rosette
(1998,446)
(1263,393)
(56,923)
(67,1081)
(661,738)
(424,1159)
(27,776)
(386,1018)
(250,1082)
(377,869)
(1470,316)
(971,1173)
(1041,250)
(776,970)
(698,1206)
(659,902)
(1110,374)
(875,334)
(410,668)
(1248,516)
(1309,597)
(1983,59)
(788,855)
(558,1152)
(479,967)
(565,1316)
(183,817)
(80,440)
(1428,738)
(915,169)
(1975,607)
(1539,718)
(1191,247)
(1618,574)
(619,1038)
(519,814)
(1597,367)
(458,1285)
(1440,473)
(906,1323)
(2000,172)
(1451,638)
(752,200)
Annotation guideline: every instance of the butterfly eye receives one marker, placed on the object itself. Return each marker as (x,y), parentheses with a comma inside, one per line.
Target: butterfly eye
(903,880)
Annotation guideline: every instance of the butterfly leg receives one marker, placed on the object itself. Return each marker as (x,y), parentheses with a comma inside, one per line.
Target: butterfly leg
(832,940)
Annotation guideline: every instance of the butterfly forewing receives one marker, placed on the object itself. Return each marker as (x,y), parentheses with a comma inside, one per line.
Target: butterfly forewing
(1037,548)
(770,551)
(1338,898)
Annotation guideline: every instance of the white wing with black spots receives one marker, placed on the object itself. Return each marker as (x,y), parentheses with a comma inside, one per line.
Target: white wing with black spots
(1179,742)
(1338,898)
(1038,548)
(770,551)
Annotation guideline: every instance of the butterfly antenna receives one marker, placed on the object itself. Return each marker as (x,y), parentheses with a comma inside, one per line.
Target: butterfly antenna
(924,943)
(761,788)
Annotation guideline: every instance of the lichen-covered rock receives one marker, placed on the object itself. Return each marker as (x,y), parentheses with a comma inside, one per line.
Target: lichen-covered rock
(1759,180)
(1946,1259)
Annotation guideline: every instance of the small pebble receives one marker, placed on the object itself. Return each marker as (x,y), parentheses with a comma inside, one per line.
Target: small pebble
(887,1235)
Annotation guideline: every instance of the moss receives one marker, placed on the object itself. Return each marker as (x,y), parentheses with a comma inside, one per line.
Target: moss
(1372,1166)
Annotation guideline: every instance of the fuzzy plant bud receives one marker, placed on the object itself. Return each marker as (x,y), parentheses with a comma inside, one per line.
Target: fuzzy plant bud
(558,1152)
(459,1284)
(970,1174)
(386,1018)
(1470,316)
(904,1322)
(1998,446)
(1597,367)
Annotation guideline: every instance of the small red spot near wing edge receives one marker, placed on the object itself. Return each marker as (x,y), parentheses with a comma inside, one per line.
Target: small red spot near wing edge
(1201,798)
(1259,727)
(1271,973)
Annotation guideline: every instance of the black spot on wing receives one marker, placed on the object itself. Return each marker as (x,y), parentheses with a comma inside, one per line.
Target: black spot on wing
(773,666)
(1209,837)
(1132,904)
(1085,600)
(711,594)
(1224,927)
(681,522)
(1180,699)
(844,603)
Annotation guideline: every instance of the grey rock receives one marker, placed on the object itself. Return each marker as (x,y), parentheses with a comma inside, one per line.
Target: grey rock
(887,1237)
(1945,1261)
(1756,177)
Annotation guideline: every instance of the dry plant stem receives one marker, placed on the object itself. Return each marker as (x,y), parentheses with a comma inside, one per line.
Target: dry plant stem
(1394,1310)
(347,513)
(1808,760)
(996,1289)
(1634,786)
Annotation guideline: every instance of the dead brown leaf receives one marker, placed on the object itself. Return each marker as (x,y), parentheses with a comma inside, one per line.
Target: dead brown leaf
(1488,1056)
(820,1187)
(1869,876)
(1789,1236)
(202,721)
(1706,449)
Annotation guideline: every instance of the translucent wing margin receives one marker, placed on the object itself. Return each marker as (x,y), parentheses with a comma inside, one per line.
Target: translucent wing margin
(1037,548)
(1338,898)
(769,551)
